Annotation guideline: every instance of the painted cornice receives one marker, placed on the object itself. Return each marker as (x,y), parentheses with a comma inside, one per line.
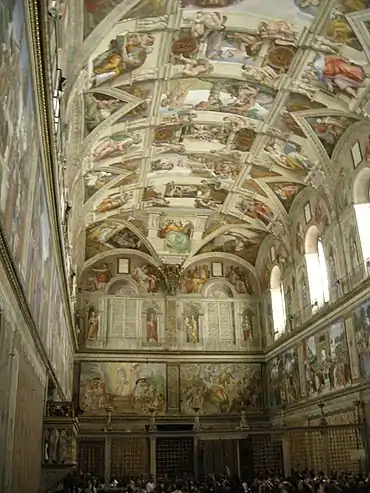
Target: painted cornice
(171,357)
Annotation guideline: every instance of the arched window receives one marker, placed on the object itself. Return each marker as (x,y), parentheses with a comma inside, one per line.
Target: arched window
(277,302)
(317,273)
(361,195)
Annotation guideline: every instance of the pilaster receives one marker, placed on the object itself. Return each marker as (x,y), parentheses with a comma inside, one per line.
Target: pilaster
(238,458)
(152,457)
(286,456)
(325,449)
(107,459)
(196,458)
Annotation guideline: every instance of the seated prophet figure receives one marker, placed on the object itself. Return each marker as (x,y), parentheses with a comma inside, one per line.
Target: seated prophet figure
(337,72)
(126,53)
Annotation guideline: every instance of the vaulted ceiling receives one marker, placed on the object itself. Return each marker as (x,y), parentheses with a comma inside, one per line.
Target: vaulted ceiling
(194,124)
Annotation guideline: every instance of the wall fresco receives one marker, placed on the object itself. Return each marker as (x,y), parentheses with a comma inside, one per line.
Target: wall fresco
(283,379)
(23,200)
(220,388)
(326,360)
(17,127)
(137,388)
(128,387)
(361,322)
(60,351)
(39,259)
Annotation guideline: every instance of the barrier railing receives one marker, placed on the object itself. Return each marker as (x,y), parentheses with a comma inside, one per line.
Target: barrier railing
(250,452)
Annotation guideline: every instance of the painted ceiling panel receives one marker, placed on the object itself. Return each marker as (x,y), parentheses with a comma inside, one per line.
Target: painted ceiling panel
(204,119)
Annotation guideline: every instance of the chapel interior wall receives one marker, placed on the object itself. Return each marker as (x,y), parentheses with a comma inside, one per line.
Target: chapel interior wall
(23,376)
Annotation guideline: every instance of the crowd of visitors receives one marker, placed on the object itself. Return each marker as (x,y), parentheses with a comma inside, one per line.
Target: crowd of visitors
(305,482)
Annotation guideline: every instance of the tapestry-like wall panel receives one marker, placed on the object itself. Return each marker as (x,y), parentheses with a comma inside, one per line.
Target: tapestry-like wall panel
(136,388)
(283,378)
(361,322)
(326,360)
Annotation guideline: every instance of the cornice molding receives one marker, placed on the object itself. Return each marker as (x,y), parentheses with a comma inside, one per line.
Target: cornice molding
(161,357)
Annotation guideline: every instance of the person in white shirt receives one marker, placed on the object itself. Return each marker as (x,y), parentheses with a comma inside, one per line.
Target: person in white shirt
(150,485)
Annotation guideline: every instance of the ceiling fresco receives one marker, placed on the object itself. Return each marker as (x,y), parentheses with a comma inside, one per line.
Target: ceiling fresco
(204,119)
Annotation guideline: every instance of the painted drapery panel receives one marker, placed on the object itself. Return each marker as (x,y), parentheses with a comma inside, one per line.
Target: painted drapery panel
(23,201)
(326,360)
(8,373)
(59,348)
(361,322)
